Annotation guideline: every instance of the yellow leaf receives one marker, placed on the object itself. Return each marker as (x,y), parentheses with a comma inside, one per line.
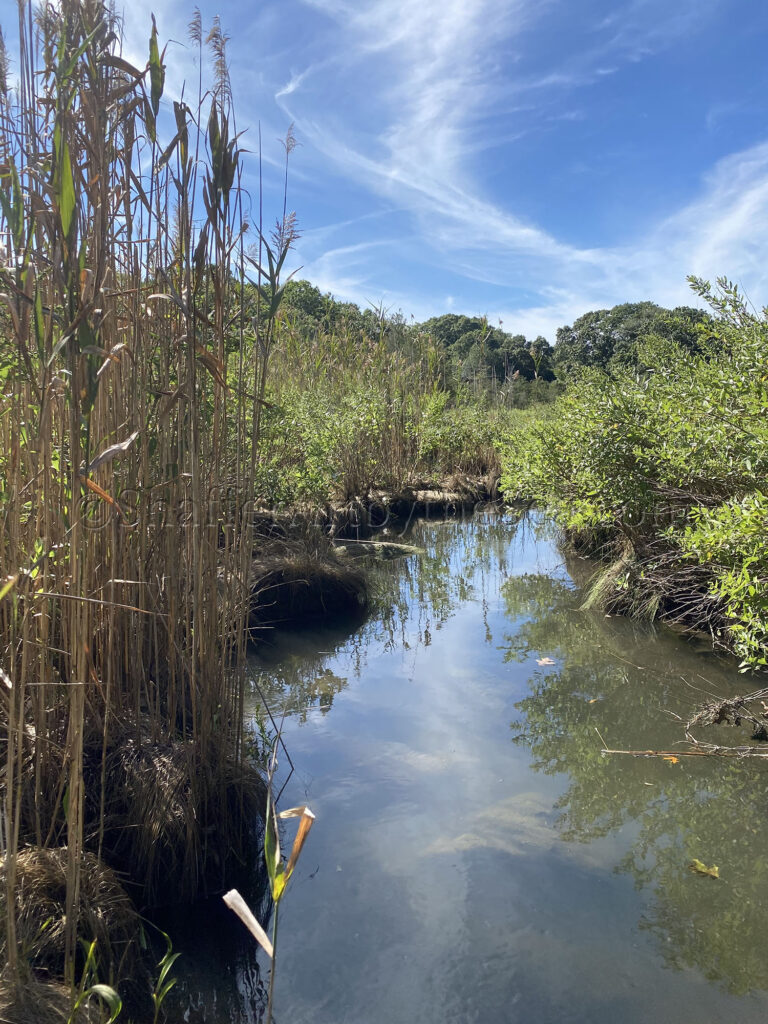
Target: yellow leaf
(700,868)
(93,486)
(671,759)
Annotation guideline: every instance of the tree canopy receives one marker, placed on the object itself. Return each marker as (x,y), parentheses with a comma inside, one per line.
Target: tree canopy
(609,337)
(483,355)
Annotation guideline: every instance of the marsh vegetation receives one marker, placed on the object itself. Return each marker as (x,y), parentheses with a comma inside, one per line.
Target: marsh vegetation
(657,463)
(185,432)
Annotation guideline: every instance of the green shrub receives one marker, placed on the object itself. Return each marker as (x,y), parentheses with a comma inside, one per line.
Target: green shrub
(670,459)
(732,540)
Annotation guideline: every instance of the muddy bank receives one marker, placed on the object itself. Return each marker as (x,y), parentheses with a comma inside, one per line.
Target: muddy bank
(366,515)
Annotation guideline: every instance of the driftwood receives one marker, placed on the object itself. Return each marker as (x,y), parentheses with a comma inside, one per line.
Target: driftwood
(729,711)
(733,711)
(701,750)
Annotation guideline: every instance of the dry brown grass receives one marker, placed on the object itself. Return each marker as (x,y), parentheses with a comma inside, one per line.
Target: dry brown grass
(107,913)
(180,819)
(42,1002)
(298,589)
(132,379)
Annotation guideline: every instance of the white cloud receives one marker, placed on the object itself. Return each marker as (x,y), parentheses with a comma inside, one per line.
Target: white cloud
(402,100)
(441,77)
(724,230)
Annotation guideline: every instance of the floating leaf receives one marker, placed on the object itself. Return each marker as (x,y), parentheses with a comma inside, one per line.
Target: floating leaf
(700,868)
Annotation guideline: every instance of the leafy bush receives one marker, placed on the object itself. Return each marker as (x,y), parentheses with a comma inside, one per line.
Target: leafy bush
(731,539)
(348,413)
(668,462)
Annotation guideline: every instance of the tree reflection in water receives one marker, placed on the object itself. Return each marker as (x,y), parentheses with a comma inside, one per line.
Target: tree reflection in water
(625,683)
(460,561)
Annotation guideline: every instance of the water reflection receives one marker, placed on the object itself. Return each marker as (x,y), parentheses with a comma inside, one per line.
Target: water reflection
(460,562)
(617,681)
(455,876)
(218,975)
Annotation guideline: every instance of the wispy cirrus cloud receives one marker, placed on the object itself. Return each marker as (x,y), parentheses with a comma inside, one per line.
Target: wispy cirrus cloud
(521,157)
(438,74)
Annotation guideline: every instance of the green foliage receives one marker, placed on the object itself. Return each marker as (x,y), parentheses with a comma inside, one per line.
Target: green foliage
(731,539)
(457,433)
(670,462)
(91,988)
(609,338)
(475,348)
(348,413)
(323,443)
(163,983)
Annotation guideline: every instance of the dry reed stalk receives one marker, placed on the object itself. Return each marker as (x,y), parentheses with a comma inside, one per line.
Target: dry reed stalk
(129,400)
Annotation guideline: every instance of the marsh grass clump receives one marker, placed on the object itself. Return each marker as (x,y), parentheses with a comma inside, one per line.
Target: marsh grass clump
(44,1002)
(299,590)
(108,915)
(175,811)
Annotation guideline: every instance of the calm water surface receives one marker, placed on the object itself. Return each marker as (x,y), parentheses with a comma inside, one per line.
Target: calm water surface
(475,858)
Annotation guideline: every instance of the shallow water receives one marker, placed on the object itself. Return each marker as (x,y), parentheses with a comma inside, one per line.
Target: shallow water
(475,857)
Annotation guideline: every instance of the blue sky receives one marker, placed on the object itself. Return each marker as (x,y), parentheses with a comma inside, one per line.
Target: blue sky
(525,159)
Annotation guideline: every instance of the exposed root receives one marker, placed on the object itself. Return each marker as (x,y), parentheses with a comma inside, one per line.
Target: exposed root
(652,581)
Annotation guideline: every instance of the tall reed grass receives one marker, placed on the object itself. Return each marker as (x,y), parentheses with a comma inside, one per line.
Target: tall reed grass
(133,385)
(350,413)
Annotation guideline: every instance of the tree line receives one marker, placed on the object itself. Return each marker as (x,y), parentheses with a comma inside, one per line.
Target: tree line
(486,356)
